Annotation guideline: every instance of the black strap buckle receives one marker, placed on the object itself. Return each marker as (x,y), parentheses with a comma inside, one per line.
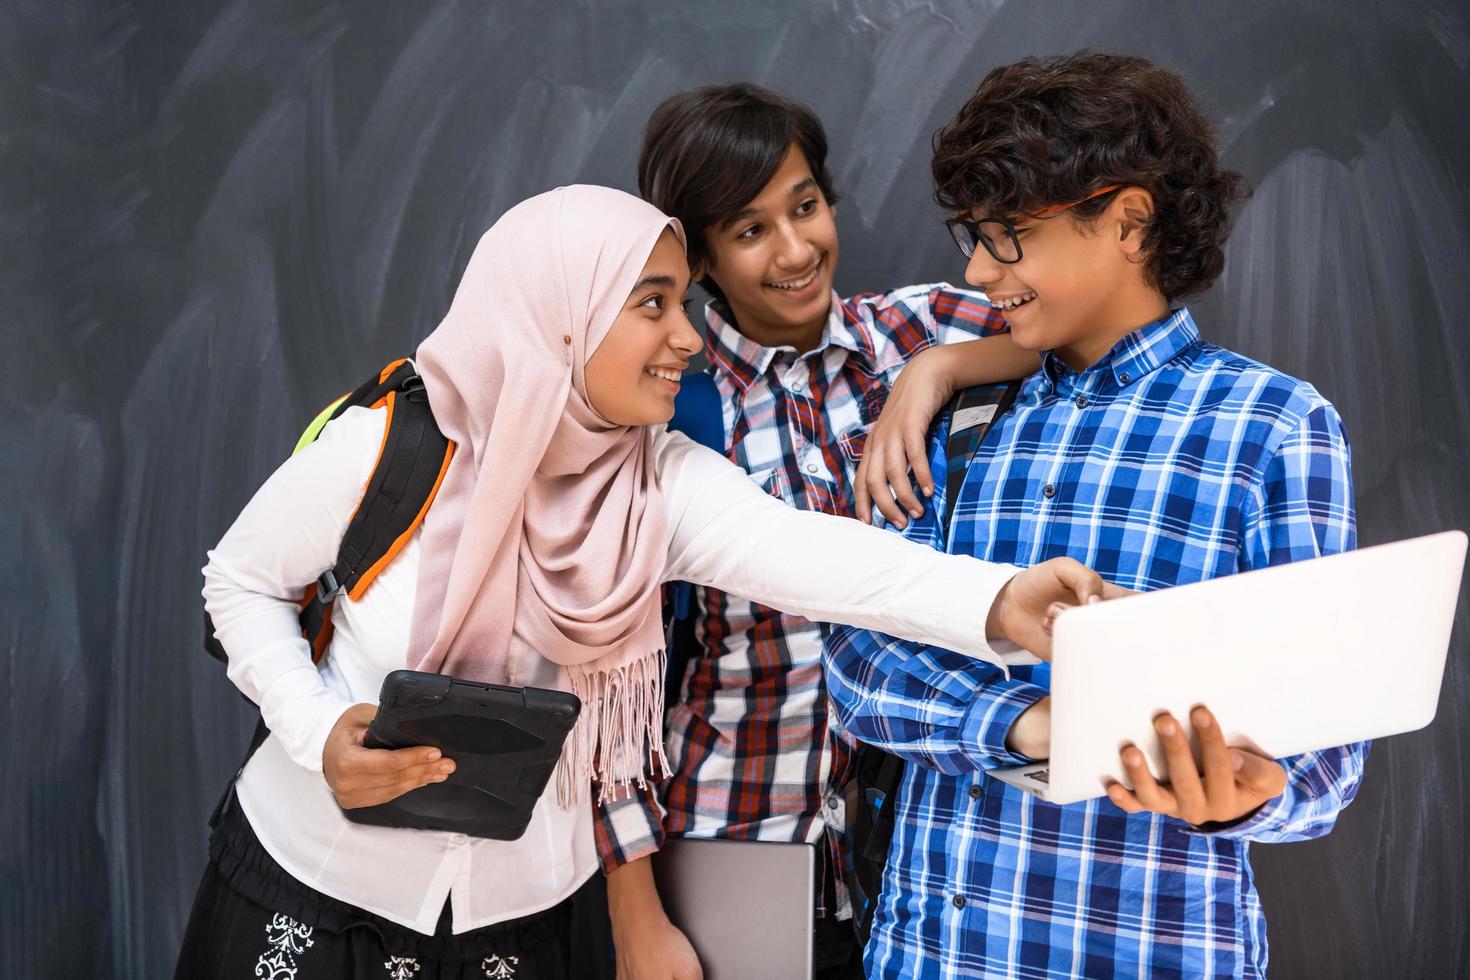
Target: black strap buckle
(413,389)
(327,587)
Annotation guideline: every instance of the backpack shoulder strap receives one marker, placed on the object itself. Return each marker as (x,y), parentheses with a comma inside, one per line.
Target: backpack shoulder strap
(410,468)
(971,414)
(698,412)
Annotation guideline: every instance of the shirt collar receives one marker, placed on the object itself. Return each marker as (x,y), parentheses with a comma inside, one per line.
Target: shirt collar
(1141,352)
(744,360)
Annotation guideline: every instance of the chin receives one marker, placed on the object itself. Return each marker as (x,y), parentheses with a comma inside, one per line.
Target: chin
(1029,338)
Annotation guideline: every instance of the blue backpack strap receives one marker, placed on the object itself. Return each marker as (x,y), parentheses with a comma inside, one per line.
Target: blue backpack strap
(698,412)
(700,415)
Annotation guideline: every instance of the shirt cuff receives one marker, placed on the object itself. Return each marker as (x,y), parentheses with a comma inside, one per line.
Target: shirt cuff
(1269,816)
(963,597)
(628,828)
(989,720)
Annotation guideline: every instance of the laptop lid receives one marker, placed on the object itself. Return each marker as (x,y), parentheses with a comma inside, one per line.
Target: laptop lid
(748,907)
(1292,658)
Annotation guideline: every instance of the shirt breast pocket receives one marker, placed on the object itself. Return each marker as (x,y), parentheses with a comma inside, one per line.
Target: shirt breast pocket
(853,442)
(771,480)
(870,405)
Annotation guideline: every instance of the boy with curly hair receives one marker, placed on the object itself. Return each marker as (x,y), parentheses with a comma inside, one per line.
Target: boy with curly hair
(1089,199)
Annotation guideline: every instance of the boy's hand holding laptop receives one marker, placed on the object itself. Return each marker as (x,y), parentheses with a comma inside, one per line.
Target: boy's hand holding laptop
(1225,785)
(1317,628)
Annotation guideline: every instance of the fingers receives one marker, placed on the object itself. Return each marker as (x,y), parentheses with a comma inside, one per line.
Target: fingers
(1123,799)
(1214,756)
(1184,781)
(1146,788)
(1078,579)
(862,501)
(353,723)
(878,486)
(897,470)
(1111,591)
(914,445)
(366,777)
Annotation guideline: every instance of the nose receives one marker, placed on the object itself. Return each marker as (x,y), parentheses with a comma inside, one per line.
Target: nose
(792,250)
(983,270)
(685,339)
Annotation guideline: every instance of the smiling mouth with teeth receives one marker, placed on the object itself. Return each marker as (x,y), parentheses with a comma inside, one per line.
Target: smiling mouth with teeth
(795,285)
(663,373)
(1014,301)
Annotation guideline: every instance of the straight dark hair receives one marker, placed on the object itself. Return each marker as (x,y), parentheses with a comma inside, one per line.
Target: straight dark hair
(707,152)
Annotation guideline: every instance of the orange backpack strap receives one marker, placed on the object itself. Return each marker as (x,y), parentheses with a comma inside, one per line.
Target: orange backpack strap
(411,464)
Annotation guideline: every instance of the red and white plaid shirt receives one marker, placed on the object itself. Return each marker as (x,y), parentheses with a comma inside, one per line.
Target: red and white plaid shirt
(755,752)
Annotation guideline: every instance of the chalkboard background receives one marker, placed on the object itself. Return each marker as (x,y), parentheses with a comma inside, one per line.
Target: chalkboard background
(217,216)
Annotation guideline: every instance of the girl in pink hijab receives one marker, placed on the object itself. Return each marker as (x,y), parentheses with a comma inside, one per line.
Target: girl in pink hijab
(566,505)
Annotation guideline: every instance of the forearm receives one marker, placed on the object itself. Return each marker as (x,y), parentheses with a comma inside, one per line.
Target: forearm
(933,707)
(633,901)
(730,536)
(988,360)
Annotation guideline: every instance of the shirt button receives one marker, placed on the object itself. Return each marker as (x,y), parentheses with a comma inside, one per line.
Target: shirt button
(1124,377)
(832,802)
(1081,401)
(1049,491)
(974,792)
(959,901)
(811,467)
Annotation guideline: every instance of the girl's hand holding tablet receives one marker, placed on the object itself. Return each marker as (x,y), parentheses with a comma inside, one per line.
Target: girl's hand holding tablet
(359,776)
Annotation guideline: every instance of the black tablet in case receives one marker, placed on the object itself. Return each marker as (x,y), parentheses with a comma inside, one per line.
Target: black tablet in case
(505,743)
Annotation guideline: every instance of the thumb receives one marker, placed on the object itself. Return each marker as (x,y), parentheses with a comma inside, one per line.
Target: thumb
(1257,774)
(1080,580)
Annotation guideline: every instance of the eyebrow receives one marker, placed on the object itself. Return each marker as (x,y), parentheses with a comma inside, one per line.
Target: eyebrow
(801,186)
(663,282)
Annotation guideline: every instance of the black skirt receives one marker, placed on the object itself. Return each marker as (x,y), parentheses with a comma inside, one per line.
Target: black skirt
(251,918)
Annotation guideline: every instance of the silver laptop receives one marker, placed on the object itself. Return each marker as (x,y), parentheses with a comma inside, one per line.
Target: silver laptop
(747,906)
(1291,658)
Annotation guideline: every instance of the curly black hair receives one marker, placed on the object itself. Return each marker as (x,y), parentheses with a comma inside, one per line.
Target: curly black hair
(1046,131)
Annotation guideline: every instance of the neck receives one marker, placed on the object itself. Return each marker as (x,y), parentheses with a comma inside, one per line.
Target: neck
(1085,351)
(804,338)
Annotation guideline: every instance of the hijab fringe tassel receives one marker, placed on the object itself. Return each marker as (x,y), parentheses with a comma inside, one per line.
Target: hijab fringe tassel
(622,721)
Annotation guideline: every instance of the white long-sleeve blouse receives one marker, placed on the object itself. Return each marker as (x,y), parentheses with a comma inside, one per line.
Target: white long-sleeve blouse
(727,534)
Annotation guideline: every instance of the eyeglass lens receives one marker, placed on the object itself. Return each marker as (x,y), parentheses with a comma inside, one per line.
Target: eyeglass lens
(998,239)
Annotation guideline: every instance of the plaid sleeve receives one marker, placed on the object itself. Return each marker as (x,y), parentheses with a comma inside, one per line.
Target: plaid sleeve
(629,827)
(934,707)
(927,705)
(1303,508)
(961,314)
(905,321)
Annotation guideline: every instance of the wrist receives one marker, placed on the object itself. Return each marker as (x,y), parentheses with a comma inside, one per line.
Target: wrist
(633,902)
(948,366)
(995,619)
(1030,734)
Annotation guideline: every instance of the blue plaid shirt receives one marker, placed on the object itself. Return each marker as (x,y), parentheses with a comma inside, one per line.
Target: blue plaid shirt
(1169,461)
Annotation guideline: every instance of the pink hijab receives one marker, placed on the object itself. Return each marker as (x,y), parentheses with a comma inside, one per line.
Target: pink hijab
(548,537)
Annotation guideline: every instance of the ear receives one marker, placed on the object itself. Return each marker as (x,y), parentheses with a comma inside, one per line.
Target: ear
(698,271)
(1134,209)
